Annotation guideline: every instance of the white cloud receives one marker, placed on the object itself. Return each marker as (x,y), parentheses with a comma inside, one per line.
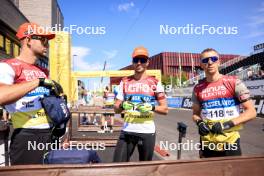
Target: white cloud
(110,54)
(82,61)
(81,51)
(125,6)
(255,34)
(261,8)
(256,23)
(256,20)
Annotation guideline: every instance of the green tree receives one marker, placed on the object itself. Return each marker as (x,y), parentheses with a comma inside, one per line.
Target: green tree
(165,80)
(184,77)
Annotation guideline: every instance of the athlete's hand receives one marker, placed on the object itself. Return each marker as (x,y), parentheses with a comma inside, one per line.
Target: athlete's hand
(218,128)
(145,107)
(44,82)
(203,128)
(54,87)
(127,105)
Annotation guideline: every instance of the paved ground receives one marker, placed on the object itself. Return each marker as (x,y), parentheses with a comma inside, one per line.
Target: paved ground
(251,136)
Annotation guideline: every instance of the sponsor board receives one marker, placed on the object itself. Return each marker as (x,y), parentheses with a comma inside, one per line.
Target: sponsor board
(180,102)
(187,103)
(255,87)
(175,102)
(258,102)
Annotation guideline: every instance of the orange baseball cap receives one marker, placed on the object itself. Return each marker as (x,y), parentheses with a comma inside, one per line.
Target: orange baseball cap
(28,29)
(140,51)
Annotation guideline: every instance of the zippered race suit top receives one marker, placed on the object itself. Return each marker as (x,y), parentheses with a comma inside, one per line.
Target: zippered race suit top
(220,102)
(136,90)
(26,112)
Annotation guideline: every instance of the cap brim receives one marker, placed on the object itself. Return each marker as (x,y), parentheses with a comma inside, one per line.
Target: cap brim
(141,56)
(48,36)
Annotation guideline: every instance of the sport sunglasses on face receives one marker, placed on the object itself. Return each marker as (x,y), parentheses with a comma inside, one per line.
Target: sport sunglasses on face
(142,60)
(43,40)
(206,60)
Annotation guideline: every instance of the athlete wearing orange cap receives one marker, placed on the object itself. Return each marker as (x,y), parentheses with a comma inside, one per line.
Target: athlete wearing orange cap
(136,96)
(140,52)
(22,84)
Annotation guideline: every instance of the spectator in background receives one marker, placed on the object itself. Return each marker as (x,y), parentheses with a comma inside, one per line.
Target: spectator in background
(250,73)
(106,90)
(261,72)
(109,100)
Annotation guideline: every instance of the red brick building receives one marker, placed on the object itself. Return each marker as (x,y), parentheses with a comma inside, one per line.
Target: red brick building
(169,63)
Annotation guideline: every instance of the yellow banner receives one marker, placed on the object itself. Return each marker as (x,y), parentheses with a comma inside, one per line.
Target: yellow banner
(60,61)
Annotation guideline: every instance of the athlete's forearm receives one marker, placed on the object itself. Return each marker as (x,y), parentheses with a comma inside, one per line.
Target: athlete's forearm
(196,112)
(247,115)
(117,110)
(117,107)
(196,117)
(161,110)
(12,93)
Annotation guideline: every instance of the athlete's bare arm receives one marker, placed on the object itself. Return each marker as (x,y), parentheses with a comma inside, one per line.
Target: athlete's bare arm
(12,93)
(248,114)
(196,112)
(117,108)
(162,108)
(243,95)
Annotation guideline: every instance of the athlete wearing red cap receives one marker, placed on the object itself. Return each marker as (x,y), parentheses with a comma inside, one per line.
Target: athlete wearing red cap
(22,84)
(136,97)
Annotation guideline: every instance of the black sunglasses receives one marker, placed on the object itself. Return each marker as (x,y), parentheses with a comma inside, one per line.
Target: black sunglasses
(44,40)
(206,60)
(141,59)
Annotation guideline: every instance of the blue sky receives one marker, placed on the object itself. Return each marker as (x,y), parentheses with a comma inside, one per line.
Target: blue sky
(130,23)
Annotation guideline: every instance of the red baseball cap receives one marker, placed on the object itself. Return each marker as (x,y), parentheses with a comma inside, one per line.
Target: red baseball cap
(28,29)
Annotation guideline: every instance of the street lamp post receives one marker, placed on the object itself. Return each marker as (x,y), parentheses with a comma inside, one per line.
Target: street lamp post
(73,61)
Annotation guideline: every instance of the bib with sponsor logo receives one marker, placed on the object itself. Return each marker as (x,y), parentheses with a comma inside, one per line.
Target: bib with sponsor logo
(139,92)
(219,104)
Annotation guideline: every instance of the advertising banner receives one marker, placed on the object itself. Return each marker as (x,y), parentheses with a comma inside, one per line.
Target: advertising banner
(255,87)
(175,102)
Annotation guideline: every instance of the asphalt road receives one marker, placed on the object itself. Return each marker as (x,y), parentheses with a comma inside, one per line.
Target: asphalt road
(252,136)
(167,136)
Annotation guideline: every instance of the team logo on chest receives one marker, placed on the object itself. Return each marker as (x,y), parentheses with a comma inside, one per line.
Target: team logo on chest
(33,74)
(214,91)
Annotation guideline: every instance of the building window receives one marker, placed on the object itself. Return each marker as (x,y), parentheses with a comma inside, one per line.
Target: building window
(16,50)
(8,46)
(1,42)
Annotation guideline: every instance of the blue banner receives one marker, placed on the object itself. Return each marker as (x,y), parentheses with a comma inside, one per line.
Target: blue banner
(175,102)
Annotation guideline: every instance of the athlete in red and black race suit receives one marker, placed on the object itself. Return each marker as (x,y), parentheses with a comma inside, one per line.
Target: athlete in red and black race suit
(137,95)
(216,109)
